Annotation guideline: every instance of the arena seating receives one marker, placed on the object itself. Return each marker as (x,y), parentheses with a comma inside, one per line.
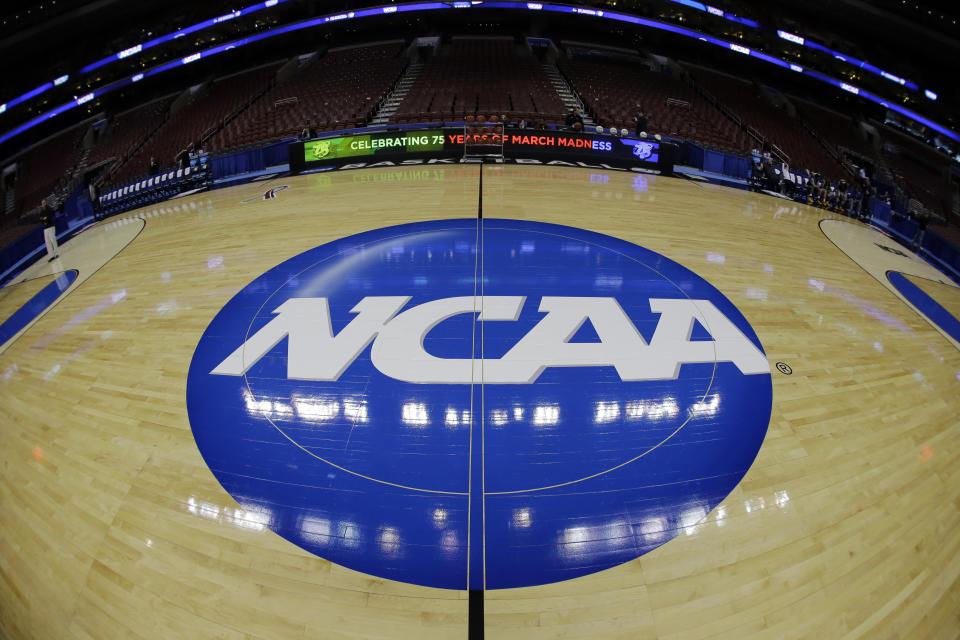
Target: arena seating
(127,130)
(150,190)
(774,124)
(612,89)
(921,169)
(951,234)
(340,90)
(465,79)
(833,127)
(923,173)
(471,76)
(11,230)
(41,168)
(204,115)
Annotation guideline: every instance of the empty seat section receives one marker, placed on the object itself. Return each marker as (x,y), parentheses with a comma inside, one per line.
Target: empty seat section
(776,125)
(197,120)
(41,168)
(126,131)
(340,90)
(923,172)
(837,129)
(481,76)
(613,88)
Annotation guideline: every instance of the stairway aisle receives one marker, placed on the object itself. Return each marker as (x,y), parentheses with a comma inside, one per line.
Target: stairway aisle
(397,95)
(567,95)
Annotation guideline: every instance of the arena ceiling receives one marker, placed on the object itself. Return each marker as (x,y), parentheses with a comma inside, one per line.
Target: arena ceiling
(46,40)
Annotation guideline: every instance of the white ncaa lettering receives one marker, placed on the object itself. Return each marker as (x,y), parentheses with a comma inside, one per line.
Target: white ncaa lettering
(314,353)
(398,351)
(547,344)
(672,347)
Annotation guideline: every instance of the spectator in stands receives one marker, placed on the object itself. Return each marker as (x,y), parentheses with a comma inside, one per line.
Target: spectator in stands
(825,186)
(641,121)
(843,196)
(832,194)
(522,124)
(771,178)
(183,158)
(869,192)
(855,204)
(195,151)
(788,184)
(758,171)
(199,155)
(154,166)
(574,118)
(815,195)
(858,208)
(48,218)
(577,126)
(842,199)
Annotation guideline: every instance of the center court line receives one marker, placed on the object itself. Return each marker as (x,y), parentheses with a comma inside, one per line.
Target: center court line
(475,605)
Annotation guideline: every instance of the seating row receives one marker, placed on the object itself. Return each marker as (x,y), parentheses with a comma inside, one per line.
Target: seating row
(151,190)
(480,75)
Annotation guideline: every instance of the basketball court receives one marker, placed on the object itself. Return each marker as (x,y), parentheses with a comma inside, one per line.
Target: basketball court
(773,457)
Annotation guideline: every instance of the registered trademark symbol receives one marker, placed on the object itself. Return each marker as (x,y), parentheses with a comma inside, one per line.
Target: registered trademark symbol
(784,368)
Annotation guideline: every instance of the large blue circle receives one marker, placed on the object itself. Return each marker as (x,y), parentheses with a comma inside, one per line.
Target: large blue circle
(469,486)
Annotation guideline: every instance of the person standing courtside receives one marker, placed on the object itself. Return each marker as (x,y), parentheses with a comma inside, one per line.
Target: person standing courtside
(93,193)
(48,219)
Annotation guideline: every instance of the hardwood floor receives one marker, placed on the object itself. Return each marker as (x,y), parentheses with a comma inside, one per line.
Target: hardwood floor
(845,526)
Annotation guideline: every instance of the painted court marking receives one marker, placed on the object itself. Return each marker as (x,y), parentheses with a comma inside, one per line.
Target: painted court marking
(878,254)
(85,254)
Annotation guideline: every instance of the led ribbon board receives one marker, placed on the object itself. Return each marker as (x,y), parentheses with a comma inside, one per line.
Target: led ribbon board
(327,151)
(430,6)
(519,143)
(591,146)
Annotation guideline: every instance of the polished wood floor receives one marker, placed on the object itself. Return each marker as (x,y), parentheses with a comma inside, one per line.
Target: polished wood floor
(111,524)
(947,295)
(16,294)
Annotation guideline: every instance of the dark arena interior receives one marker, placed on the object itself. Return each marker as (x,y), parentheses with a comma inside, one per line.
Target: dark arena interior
(480,319)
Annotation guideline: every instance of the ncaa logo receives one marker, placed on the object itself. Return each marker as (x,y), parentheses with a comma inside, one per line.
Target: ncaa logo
(478,404)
